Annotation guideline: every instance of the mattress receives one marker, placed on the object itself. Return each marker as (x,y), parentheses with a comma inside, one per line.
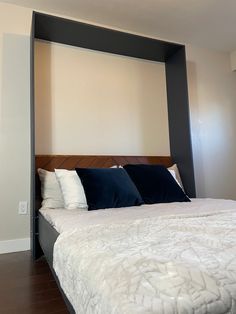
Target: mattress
(162,258)
(68,220)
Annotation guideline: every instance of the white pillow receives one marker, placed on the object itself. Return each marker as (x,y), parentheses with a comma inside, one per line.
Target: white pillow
(72,189)
(175,173)
(50,190)
(172,172)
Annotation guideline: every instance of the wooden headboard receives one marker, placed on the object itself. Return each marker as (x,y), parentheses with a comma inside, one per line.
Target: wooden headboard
(50,162)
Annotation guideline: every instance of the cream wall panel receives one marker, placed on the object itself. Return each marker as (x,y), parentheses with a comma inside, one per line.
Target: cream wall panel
(89,102)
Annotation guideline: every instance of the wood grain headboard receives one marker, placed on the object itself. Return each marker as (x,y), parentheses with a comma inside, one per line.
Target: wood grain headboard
(50,162)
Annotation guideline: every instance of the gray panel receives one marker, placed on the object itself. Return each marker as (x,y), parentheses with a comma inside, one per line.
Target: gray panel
(56,29)
(179,121)
(47,239)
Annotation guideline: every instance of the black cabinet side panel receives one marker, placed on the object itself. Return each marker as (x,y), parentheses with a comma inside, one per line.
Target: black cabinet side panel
(35,246)
(32,140)
(179,120)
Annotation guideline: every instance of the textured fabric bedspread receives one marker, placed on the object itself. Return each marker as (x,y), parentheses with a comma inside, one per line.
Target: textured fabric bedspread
(168,264)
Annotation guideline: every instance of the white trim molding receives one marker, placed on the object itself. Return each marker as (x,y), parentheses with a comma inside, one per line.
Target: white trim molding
(16,245)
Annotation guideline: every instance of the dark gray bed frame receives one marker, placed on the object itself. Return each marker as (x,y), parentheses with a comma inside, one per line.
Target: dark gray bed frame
(60,30)
(47,239)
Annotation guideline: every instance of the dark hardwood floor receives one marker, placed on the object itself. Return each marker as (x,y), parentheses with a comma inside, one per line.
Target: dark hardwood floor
(28,287)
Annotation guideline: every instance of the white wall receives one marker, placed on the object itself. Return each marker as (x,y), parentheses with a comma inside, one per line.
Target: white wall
(95,103)
(212,96)
(14,125)
(212,105)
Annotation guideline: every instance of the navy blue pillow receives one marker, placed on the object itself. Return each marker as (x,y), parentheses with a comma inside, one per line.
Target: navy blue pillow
(108,188)
(155,184)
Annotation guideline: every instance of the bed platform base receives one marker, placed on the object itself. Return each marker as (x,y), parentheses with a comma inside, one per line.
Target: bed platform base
(47,239)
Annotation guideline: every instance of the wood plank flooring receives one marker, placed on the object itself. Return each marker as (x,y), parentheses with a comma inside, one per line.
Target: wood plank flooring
(28,287)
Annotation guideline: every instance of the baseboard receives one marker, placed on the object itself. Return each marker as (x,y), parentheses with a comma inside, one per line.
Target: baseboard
(16,245)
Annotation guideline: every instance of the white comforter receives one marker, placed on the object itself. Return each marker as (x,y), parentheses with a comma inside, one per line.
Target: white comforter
(180,262)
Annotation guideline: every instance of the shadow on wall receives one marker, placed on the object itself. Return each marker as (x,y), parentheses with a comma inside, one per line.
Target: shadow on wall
(15,96)
(199,170)
(212,106)
(43,98)
(15,133)
(15,82)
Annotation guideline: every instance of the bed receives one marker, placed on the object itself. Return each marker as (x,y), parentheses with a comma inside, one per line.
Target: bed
(160,258)
(44,236)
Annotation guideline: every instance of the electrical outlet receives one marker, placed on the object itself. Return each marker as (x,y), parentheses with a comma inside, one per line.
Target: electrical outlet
(23,208)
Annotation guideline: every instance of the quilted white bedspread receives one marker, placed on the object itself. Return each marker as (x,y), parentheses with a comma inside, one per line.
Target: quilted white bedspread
(177,263)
